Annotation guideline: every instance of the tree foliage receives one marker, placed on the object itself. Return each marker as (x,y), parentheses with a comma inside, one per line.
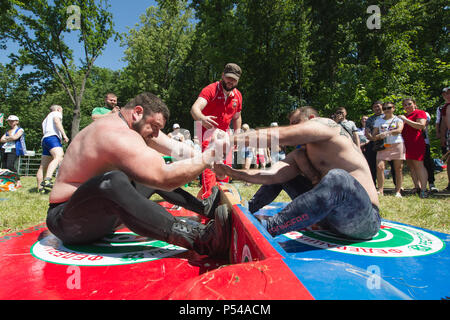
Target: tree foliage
(39,28)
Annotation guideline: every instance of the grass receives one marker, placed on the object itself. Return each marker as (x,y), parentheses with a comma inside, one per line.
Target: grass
(25,208)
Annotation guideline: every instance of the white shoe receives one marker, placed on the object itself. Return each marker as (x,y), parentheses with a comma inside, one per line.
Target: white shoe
(398,195)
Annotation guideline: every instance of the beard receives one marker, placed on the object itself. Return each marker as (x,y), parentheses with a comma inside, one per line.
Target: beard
(137,126)
(111,105)
(226,87)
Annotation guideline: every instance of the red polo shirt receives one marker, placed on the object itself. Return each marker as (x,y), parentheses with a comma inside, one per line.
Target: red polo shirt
(221,106)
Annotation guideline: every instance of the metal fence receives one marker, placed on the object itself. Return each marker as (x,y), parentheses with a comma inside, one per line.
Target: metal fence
(28,165)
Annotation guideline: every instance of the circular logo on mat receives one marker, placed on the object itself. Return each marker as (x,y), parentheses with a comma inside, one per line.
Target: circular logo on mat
(393,240)
(116,249)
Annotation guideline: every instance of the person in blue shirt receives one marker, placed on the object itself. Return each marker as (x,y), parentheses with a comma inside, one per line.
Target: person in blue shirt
(13,144)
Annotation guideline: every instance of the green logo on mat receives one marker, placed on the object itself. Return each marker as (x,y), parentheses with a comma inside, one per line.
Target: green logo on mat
(393,240)
(116,249)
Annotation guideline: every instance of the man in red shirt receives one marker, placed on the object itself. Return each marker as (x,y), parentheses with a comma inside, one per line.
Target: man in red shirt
(415,121)
(217,105)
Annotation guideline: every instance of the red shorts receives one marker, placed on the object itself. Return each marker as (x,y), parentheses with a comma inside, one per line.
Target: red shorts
(260,159)
(209,179)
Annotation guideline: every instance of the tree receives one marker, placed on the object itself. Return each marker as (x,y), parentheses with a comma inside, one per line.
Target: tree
(39,29)
(156,52)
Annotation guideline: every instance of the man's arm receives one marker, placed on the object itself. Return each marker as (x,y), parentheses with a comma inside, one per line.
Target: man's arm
(171,147)
(447,119)
(196,112)
(314,130)
(128,152)
(237,122)
(12,137)
(280,172)
(419,124)
(355,138)
(59,126)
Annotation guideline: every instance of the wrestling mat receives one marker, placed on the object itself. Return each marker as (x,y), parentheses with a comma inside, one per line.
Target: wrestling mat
(400,262)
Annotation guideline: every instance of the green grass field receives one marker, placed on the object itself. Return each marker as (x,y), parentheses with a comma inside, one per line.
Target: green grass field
(25,208)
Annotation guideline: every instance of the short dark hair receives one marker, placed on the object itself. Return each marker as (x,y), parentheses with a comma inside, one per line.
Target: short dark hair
(110,94)
(305,112)
(409,99)
(377,102)
(150,103)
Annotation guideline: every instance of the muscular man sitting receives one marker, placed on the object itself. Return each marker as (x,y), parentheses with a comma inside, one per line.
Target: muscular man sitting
(112,167)
(345,200)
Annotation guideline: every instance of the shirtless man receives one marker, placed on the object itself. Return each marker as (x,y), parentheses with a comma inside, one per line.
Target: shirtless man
(114,165)
(345,200)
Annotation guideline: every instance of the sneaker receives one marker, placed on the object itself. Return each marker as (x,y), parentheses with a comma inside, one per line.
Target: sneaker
(423,194)
(41,191)
(398,195)
(47,183)
(433,188)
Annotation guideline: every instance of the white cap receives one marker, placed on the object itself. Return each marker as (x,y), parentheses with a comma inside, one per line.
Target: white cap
(13,118)
(274,124)
(176,126)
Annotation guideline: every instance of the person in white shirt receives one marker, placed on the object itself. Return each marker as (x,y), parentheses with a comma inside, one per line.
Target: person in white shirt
(390,128)
(176,133)
(52,150)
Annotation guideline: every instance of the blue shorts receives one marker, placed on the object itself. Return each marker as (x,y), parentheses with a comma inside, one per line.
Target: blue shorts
(49,143)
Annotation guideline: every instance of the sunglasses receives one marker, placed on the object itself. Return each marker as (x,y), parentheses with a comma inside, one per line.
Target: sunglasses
(387,108)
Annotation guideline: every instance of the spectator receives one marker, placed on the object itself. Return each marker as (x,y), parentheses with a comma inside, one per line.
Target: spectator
(441,134)
(13,145)
(349,126)
(442,130)
(261,157)
(176,134)
(52,150)
(218,105)
(389,129)
(247,152)
(110,107)
(428,161)
(415,121)
(371,155)
(363,141)
(278,153)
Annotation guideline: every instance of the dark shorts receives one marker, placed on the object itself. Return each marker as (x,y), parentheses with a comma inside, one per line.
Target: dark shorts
(49,143)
